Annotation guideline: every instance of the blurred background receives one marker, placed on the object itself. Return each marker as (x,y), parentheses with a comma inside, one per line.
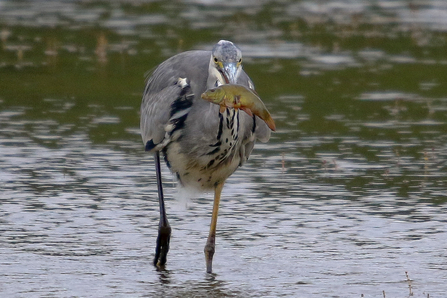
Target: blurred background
(348,195)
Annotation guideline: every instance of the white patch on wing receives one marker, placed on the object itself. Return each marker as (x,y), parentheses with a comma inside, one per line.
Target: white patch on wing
(182,82)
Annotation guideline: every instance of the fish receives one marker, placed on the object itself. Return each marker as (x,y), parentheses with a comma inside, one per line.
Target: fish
(239,97)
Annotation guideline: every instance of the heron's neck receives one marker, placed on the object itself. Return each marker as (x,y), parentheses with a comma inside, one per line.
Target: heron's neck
(229,126)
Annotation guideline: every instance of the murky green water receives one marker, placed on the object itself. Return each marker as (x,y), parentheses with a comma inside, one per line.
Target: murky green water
(348,195)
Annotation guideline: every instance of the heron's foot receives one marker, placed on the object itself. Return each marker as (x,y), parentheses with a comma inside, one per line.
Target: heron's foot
(209,250)
(161,251)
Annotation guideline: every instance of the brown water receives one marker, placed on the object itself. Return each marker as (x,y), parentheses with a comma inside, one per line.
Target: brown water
(348,195)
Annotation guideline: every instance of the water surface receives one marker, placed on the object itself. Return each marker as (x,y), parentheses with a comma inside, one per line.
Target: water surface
(348,195)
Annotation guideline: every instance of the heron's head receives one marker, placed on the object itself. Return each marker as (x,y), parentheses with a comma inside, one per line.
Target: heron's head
(226,63)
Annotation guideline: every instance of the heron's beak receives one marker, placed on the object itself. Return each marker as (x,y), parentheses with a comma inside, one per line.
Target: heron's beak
(229,72)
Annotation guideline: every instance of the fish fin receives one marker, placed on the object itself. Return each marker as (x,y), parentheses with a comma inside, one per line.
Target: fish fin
(248,111)
(237,100)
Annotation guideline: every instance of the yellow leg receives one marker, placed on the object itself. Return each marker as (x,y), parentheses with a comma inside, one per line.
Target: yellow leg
(211,242)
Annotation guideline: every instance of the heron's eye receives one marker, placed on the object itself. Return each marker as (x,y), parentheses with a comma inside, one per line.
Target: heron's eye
(215,59)
(240,60)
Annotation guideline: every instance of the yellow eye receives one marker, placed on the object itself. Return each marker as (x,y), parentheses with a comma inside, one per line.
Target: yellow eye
(240,60)
(215,59)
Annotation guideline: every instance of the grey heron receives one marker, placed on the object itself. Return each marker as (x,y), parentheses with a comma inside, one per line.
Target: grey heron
(201,145)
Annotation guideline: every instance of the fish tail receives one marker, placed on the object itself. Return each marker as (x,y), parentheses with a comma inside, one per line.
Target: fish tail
(269,121)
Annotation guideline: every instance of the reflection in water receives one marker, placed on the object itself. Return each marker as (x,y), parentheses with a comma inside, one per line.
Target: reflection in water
(101,49)
(347,197)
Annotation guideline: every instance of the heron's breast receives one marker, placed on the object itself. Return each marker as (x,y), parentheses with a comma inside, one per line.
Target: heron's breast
(205,164)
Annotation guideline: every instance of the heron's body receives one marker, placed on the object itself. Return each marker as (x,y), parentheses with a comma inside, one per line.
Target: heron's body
(217,143)
(202,146)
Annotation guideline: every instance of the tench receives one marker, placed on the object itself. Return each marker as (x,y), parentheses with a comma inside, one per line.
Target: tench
(239,97)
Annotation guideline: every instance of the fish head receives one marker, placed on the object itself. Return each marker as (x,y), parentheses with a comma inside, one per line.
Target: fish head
(214,95)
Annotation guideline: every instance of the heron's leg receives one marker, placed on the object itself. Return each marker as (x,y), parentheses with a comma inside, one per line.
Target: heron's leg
(211,242)
(164,229)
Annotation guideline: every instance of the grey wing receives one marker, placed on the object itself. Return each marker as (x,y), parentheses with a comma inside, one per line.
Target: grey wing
(155,114)
(167,100)
(159,116)
(261,132)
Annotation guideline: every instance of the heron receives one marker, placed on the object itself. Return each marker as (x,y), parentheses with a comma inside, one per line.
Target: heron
(201,145)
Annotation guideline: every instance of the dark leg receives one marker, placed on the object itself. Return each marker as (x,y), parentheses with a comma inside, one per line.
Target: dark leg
(164,229)
(211,242)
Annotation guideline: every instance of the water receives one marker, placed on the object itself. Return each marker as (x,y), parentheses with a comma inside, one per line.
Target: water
(348,195)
